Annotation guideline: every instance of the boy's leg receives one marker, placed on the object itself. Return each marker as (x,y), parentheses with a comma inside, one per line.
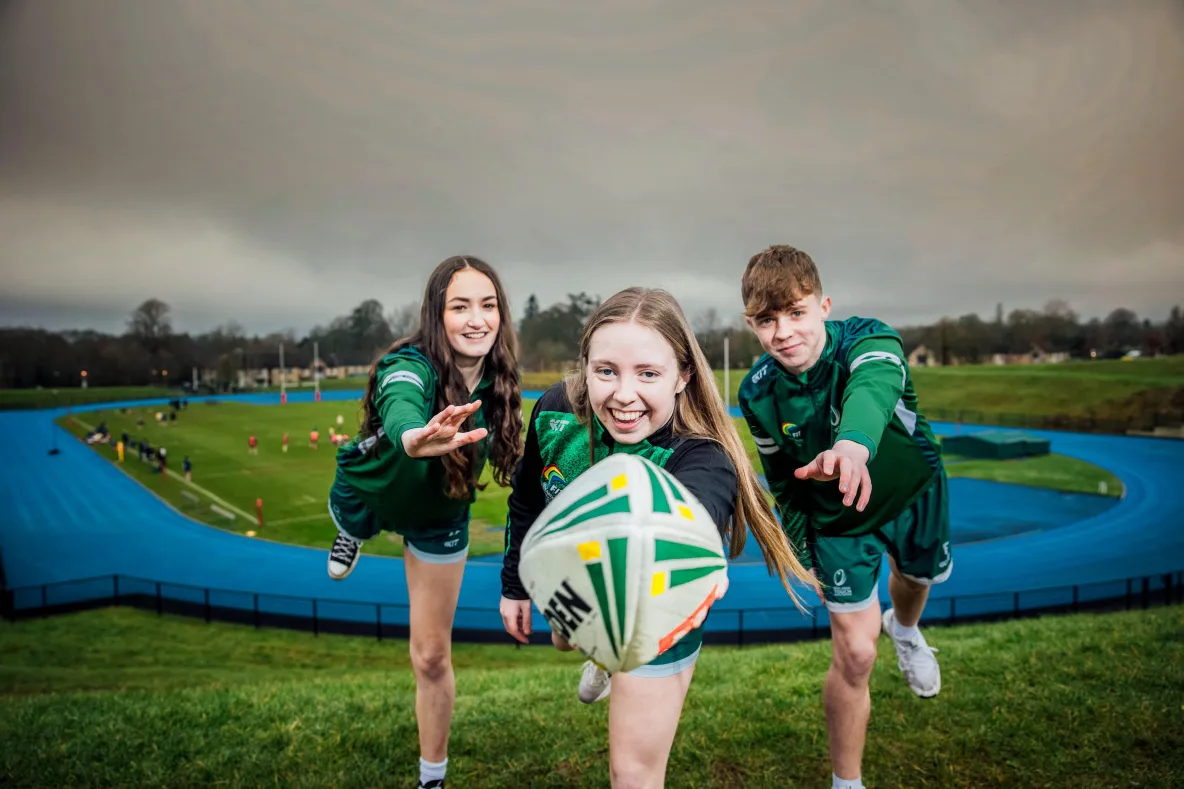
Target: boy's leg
(849,568)
(919,548)
(908,597)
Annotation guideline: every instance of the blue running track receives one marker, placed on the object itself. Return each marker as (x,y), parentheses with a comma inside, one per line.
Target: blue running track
(75,516)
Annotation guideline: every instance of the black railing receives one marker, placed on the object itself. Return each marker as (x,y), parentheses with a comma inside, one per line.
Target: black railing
(483,625)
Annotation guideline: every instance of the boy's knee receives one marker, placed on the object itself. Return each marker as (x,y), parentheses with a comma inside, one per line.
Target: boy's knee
(854,659)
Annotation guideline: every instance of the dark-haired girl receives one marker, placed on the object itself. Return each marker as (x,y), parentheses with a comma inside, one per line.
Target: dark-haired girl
(439,405)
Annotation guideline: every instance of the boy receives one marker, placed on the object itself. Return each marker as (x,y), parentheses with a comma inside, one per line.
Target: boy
(834,400)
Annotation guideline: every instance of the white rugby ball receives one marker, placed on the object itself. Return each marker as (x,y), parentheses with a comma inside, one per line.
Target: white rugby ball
(624,562)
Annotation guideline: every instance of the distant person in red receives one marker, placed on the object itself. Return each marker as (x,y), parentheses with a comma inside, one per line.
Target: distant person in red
(252,446)
(285,442)
(313,436)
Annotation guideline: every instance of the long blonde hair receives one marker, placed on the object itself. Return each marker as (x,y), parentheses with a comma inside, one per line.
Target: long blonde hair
(698,413)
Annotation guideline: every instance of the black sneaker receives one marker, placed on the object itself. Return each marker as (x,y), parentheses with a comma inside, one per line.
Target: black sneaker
(437,783)
(343,556)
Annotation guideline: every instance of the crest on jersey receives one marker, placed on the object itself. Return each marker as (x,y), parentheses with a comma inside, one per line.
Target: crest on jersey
(553,481)
(791,430)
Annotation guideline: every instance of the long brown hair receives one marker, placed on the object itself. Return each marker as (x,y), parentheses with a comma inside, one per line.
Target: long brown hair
(503,408)
(698,413)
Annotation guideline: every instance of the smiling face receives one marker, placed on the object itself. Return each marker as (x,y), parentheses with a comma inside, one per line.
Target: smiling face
(632,378)
(471,316)
(795,336)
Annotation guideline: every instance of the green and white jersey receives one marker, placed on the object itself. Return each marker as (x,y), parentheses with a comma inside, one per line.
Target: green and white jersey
(407,492)
(559,448)
(859,390)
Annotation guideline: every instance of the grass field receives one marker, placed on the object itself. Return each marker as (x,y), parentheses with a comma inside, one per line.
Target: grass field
(1102,389)
(121,697)
(294,485)
(60,398)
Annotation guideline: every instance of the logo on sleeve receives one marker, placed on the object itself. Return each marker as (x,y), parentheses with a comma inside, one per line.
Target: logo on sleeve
(791,430)
(401,375)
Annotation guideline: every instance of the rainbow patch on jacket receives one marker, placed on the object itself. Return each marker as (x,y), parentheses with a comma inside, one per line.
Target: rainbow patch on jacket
(791,430)
(553,481)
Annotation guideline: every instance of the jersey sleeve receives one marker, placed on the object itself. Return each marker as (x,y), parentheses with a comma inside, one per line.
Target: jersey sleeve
(525,504)
(707,472)
(878,373)
(785,487)
(403,398)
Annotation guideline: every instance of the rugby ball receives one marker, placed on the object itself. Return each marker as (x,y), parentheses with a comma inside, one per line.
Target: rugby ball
(623,562)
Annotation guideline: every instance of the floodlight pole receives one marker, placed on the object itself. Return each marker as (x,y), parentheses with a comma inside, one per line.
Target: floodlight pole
(316,371)
(727,376)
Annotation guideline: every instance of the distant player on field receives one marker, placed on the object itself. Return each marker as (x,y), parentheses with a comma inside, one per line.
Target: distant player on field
(313,437)
(285,442)
(832,400)
(252,446)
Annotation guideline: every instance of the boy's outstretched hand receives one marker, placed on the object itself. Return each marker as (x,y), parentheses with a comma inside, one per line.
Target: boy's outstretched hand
(441,435)
(846,460)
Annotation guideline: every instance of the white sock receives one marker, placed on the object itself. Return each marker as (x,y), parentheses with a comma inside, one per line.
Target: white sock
(431,771)
(904,633)
(846,783)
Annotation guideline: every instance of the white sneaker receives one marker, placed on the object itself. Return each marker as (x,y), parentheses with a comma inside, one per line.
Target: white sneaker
(343,556)
(595,683)
(915,659)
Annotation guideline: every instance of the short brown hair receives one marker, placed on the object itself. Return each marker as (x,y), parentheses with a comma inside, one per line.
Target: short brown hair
(776,278)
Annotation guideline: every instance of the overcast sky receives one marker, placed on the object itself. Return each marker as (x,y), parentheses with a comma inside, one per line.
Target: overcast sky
(276,162)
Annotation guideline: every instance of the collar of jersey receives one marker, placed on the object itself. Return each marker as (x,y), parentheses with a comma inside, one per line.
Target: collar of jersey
(605,438)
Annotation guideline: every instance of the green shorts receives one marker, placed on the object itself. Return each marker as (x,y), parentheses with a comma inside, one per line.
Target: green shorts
(437,543)
(918,540)
(675,660)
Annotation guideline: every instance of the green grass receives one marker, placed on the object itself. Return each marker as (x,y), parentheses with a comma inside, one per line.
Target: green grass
(68,396)
(1101,389)
(1058,472)
(294,486)
(121,697)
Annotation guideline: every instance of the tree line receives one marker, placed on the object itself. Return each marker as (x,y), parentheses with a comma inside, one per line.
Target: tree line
(150,352)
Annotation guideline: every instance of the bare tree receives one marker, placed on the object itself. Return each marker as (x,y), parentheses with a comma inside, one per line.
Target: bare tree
(150,324)
(404,320)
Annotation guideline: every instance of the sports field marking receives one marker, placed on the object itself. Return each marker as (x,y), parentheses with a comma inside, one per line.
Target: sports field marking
(184,481)
(299,519)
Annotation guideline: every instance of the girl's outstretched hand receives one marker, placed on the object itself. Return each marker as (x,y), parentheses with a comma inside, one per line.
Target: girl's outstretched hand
(442,435)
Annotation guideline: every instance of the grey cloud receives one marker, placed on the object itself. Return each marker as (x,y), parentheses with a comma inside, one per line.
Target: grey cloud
(935,157)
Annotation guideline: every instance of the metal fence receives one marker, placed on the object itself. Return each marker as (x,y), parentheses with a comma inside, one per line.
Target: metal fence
(389,620)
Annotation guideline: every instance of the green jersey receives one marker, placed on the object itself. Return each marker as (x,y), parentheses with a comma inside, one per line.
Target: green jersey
(559,447)
(405,491)
(859,390)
